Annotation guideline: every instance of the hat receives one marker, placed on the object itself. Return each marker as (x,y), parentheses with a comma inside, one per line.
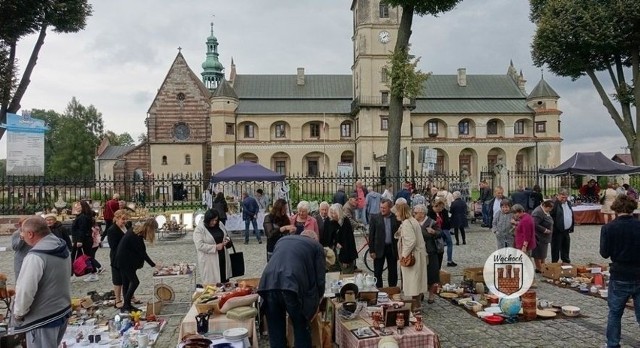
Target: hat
(329,256)
(50,215)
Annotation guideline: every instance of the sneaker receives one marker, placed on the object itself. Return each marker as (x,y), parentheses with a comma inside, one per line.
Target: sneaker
(246,242)
(91,278)
(259,241)
(100,270)
(451,264)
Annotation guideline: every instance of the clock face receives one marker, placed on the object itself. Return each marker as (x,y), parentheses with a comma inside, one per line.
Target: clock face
(181,131)
(384,36)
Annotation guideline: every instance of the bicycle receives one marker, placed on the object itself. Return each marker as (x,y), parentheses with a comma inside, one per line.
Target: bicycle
(360,229)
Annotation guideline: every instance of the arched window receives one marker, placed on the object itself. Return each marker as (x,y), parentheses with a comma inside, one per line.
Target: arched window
(164,160)
(187,159)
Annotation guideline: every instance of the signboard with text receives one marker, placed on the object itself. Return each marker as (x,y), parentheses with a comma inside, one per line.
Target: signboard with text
(25,145)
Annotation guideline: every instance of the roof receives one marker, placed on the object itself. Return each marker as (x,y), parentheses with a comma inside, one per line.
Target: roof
(247,171)
(543,90)
(225,90)
(469,106)
(478,86)
(113,152)
(285,87)
(591,163)
(295,106)
(623,158)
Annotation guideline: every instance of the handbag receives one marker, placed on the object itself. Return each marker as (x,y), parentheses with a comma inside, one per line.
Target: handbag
(602,198)
(237,262)
(82,265)
(406,261)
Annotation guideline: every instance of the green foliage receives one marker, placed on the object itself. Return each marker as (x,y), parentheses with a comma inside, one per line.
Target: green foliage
(426,7)
(405,79)
(123,139)
(3,167)
(142,138)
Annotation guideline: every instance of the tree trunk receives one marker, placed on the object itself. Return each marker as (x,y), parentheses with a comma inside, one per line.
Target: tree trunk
(26,77)
(395,104)
(635,74)
(7,92)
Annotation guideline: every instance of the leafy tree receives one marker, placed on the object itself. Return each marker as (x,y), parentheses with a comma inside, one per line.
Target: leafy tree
(123,139)
(142,138)
(24,17)
(575,38)
(406,82)
(3,167)
(52,120)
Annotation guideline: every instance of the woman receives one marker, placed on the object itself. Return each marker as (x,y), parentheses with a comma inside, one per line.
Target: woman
(441,216)
(502,226)
(345,242)
(459,212)
(302,220)
(525,236)
(220,205)
(544,226)
(82,234)
(114,233)
(410,241)
(432,240)
(211,239)
(58,229)
(276,225)
(608,196)
(130,257)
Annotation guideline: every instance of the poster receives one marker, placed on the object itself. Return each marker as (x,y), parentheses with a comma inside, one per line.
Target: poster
(25,145)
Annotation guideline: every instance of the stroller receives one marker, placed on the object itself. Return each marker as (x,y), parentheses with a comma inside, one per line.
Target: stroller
(476,211)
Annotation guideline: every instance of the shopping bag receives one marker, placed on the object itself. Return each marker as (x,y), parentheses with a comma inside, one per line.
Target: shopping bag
(237,262)
(82,265)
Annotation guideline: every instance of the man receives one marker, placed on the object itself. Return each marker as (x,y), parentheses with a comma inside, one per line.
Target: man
(590,191)
(43,291)
(388,192)
(263,201)
(382,246)
(494,203)
(417,198)
(405,192)
(361,194)
(485,197)
(250,210)
(630,191)
(323,219)
(293,283)
(520,196)
(620,241)
(110,208)
(372,203)
(340,196)
(563,224)
(19,247)
(349,208)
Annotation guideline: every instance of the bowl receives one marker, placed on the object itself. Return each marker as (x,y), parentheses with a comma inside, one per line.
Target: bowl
(604,293)
(494,320)
(350,306)
(570,311)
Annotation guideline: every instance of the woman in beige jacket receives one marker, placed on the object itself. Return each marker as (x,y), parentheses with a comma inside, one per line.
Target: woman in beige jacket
(211,239)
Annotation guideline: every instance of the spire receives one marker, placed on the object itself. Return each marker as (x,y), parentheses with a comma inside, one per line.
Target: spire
(543,90)
(213,71)
(512,72)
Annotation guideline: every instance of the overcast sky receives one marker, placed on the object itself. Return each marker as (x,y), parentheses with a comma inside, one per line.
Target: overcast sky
(119,61)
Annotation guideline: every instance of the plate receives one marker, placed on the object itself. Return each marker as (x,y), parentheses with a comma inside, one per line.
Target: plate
(235,334)
(164,293)
(545,313)
(448,295)
(494,310)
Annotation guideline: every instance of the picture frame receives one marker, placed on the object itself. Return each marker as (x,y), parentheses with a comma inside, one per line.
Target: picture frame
(364,332)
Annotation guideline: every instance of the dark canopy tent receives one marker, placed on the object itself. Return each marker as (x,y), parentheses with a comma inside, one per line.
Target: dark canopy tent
(591,163)
(246,171)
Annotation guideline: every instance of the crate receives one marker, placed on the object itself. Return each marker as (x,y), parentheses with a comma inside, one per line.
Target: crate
(556,271)
(445,277)
(474,273)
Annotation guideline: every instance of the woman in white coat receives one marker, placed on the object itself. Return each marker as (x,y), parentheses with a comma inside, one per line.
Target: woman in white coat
(410,240)
(211,239)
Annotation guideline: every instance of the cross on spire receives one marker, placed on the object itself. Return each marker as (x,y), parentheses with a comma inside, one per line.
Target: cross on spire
(179,49)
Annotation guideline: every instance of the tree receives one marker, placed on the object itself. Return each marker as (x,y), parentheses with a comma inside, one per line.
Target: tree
(52,120)
(123,139)
(575,38)
(142,138)
(25,17)
(408,82)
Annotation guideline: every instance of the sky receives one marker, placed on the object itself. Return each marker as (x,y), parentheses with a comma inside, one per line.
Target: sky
(120,60)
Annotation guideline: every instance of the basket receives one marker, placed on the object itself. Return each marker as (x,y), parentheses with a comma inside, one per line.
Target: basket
(206,307)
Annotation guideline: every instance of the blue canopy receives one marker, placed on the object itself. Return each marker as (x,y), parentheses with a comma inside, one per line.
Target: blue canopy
(247,171)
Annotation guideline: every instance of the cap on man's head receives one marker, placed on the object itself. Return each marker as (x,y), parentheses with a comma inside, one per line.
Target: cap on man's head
(50,216)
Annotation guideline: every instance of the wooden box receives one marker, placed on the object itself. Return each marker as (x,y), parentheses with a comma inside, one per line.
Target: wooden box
(445,277)
(390,314)
(474,273)
(556,271)
(154,308)
(371,296)
(390,290)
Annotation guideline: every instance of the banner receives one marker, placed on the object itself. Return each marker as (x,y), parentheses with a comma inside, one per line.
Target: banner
(25,145)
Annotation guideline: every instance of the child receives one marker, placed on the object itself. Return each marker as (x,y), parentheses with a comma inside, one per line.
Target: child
(502,225)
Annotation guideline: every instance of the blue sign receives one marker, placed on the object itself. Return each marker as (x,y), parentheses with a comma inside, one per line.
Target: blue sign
(24,124)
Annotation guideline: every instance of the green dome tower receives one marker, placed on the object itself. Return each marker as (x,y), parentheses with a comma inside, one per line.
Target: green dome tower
(213,71)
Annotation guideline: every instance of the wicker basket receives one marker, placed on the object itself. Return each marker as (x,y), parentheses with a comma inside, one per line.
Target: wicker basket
(206,307)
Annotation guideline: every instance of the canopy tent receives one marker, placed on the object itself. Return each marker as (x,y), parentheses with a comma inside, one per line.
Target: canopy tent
(246,171)
(591,163)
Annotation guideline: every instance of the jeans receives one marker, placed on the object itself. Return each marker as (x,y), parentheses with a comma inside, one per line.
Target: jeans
(446,234)
(279,303)
(360,216)
(505,240)
(392,266)
(560,246)
(485,213)
(619,293)
(254,222)
(130,283)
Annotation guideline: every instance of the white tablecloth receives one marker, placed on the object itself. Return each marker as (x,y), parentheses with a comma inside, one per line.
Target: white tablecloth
(235,222)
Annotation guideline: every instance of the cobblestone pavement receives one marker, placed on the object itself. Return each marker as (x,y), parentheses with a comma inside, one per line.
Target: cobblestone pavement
(455,327)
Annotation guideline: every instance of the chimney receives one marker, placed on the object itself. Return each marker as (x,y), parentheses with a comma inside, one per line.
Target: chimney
(300,77)
(462,77)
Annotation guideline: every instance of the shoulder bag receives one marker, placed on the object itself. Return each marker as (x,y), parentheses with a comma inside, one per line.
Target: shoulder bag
(409,260)
(236,258)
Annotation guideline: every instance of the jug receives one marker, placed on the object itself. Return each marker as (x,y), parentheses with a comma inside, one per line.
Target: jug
(370,280)
(202,323)
(359,280)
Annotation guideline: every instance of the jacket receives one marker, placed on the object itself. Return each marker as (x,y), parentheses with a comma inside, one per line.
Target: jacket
(557,214)
(110,208)
(309,224)
(326,237)
(43,289)
(344,236)
(207,254)
(297,265)
(372,204)
(620,241)
(446,222)
(543,222)
(377,234)
(114,236)
(340,197)
(490,210)
(60,231)
(250,208)
(21,249)
(221,207)
(525,232)
(430,240)
(459,214)
(132,253)
(271,227)
(81,229)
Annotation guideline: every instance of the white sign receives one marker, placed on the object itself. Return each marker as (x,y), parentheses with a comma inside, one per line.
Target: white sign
(25,145)
(345,170)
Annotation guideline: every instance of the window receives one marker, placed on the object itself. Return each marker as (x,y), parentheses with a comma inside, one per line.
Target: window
(345,130)
(384,98)
(187,160)
(281,166)
(313,167)
(280,130)
(432,128)
(230,129)
(558,126)
(384,75)
(463,128)
(541,127)
(384,11)
(314,130)
(492,128)
(249,131)
(384,123)
(164,160)
(492,160)
(518,127)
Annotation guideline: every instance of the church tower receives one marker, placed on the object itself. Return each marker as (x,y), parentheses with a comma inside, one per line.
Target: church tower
(212,69)
(543,99)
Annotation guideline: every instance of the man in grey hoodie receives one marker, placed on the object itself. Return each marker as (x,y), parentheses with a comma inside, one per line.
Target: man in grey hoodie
(43,291)
(372,203)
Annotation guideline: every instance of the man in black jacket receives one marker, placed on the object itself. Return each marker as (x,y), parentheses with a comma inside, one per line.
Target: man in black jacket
(563,224)
(494,203)
(485,197)
(382,246)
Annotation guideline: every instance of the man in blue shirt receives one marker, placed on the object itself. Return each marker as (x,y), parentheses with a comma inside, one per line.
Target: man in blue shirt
(250,210)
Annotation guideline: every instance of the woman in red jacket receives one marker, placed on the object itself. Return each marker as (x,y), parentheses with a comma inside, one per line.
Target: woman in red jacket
(525,230)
